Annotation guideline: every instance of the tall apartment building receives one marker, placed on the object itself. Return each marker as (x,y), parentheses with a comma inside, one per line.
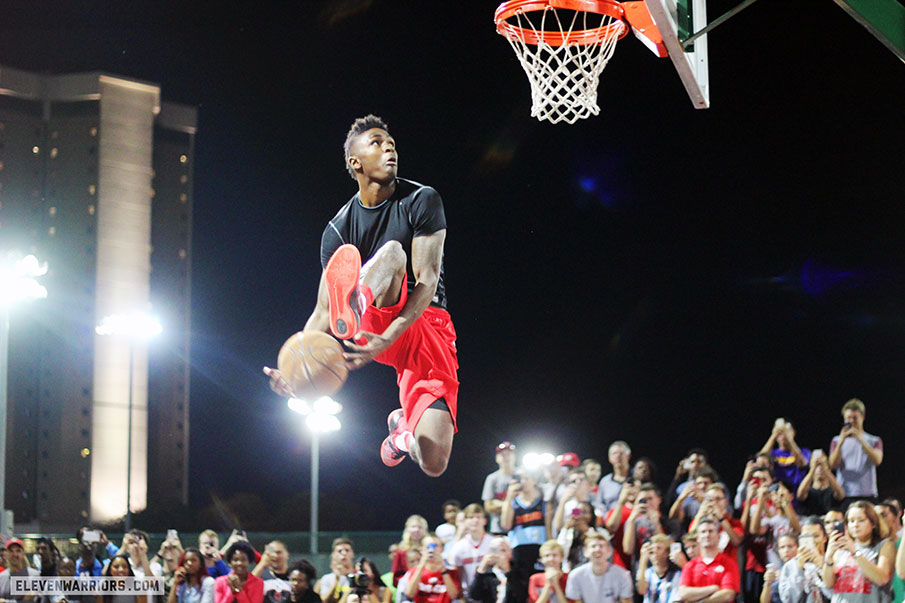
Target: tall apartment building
(96,179)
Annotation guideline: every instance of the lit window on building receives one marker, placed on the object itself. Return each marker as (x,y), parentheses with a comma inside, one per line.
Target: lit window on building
(183,198)
(36,149)
(91,210)
(51,231)
(182,254)
(92,189)
(183,159)
(183,179)
(54,152)
(93,131)
(52,211)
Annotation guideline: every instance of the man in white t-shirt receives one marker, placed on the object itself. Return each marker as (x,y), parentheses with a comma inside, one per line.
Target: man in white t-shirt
(598,580)
(466,553)
(497,483)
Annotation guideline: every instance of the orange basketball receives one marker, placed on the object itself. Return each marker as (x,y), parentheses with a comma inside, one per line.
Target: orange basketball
(312,364)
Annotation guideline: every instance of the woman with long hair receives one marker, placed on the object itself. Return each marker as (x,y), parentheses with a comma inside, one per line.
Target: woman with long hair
(119,567)
(239,585)
(859,561)
(414,532)
(191,582)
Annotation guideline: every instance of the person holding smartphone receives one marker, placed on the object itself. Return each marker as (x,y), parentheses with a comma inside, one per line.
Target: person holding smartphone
(431,581)
(495,570)
(800,580)
(855,454)
(657,579)
(859,562)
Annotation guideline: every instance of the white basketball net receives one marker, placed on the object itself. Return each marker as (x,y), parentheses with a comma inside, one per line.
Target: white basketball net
(564,78)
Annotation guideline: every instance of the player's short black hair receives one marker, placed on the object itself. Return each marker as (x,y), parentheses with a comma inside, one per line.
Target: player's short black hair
(359,127)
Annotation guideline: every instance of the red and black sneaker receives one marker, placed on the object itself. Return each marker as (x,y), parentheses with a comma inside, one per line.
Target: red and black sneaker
(341,277)
(390,454)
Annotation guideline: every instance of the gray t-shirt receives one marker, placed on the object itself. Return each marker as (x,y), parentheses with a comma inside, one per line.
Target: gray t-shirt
(5,581)
(608,492)
(609,587)
(495,486)
(856,474)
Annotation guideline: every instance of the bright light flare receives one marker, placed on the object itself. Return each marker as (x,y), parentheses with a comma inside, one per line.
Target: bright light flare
(537,460)
(17,279)
(322,423)
(137,324)
(320,416)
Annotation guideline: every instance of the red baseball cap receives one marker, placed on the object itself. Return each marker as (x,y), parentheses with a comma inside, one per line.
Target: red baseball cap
(13,541)
(568,458)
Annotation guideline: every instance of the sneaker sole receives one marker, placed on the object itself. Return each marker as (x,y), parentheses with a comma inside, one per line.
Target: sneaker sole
(387,455)
(342,274)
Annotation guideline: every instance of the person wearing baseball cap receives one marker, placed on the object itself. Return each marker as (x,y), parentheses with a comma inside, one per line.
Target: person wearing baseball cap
(18,566)
(497,483)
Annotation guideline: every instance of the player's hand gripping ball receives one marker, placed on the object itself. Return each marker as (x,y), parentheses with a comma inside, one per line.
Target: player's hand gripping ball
(312,364)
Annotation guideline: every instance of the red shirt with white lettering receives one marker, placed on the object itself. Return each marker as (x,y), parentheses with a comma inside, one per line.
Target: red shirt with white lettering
(431,588)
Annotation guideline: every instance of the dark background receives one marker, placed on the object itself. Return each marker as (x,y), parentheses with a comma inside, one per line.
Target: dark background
(670,277)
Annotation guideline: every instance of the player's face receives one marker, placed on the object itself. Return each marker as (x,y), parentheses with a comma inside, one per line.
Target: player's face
(374,154)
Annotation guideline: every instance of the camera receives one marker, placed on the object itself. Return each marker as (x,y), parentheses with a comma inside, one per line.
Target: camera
(847,424)
(642,501)
(839,526)
(773,487)
(360,582)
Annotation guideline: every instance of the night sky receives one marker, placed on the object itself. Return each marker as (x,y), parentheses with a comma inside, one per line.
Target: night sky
(666,276)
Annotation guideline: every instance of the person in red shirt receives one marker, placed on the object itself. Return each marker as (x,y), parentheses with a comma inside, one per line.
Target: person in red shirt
(716,505)
(712,576)
(430,581)
(549,586)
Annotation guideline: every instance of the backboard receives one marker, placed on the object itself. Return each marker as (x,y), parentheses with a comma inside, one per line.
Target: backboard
(677,21)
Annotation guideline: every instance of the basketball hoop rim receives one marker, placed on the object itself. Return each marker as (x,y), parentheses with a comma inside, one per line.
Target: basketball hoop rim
(610,8)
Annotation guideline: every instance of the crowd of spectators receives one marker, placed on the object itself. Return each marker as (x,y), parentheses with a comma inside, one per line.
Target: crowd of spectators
(801,526)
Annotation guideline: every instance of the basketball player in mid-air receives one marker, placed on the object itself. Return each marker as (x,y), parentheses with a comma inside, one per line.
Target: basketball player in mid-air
(392,309)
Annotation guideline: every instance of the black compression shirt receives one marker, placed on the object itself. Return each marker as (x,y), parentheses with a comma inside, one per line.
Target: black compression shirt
(414,210)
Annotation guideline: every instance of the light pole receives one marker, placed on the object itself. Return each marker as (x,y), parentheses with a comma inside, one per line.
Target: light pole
(17,281)
(135,326)
(320,417)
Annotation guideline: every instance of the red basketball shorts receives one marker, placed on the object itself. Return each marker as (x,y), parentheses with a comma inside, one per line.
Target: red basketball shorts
(424,357)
